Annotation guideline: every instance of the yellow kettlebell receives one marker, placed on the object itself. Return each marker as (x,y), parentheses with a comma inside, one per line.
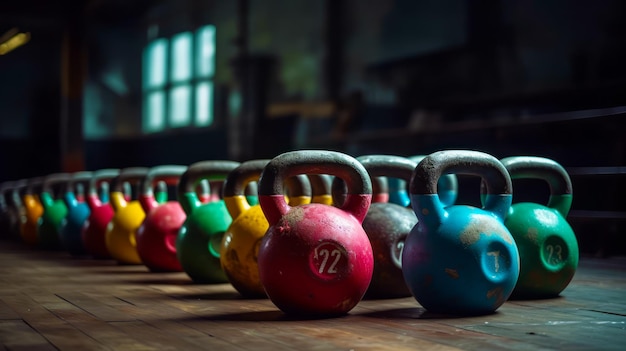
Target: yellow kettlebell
(321,188)
(240,244)
(121,232)
(33,210)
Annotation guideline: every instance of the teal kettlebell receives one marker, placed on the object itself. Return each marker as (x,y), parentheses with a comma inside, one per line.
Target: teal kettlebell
(70,231)
(460,259)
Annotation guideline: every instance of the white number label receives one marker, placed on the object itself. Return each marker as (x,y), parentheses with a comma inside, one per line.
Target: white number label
(555,254)
(496,255)
(396,254)
(327,259)
(332,269)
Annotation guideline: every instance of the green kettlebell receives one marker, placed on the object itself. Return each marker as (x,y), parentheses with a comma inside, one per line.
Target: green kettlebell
(547,244)
(199,238)
(54,211)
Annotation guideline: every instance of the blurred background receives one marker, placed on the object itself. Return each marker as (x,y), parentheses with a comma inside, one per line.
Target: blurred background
(91,84)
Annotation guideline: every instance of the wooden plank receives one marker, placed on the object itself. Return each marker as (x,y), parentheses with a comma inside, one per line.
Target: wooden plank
(6,312)
(58,332)
(105,333)
(416,321)
(17,335)
(97,308)
(223,334)
(124,334)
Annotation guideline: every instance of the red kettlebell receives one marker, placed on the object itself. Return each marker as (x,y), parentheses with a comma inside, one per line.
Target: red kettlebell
(95,228)
(315,259)
(158,233)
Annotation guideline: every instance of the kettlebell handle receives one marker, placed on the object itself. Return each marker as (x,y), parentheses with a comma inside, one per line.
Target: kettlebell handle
(545,169)
(83,177)
(210,170)
(242,181)
(33,186)
(448,184)
(70,188)
(47,195)
(99,176)
(18,188)
(53,179)
(427,173)
(169,174)
(289,164)
(5,188)
(379,166)
(195,174)
(130,175)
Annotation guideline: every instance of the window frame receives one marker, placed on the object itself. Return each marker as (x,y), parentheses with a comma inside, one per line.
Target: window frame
(196,80)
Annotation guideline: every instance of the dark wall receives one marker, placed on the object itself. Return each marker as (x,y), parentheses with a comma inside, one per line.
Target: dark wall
(30,99)
(156,150)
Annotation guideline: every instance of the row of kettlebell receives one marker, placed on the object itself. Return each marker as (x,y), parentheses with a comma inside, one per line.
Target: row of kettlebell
(322,259)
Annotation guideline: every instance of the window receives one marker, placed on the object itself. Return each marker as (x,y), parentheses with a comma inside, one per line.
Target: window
(178,80)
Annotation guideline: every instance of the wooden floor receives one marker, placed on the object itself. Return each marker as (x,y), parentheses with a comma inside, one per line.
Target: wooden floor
(50,301)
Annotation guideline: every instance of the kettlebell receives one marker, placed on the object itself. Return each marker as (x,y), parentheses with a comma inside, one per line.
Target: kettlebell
(128,216)
(54,211)
(20,209)
(460,259)
(315,259)
(7,212)
(387,225)
(100,213)
(157,234)
(546,242)
(15,208)
(240,245)
(33,210)
(77,213)
(199,238)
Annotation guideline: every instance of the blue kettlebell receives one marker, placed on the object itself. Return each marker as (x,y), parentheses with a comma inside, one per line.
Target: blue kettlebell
(460,259)
(70,231)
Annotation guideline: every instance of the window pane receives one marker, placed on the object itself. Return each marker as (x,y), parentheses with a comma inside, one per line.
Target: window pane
(180,104)
(155,61)
(154,112)
(205,54)
(181,57)
(204,104)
